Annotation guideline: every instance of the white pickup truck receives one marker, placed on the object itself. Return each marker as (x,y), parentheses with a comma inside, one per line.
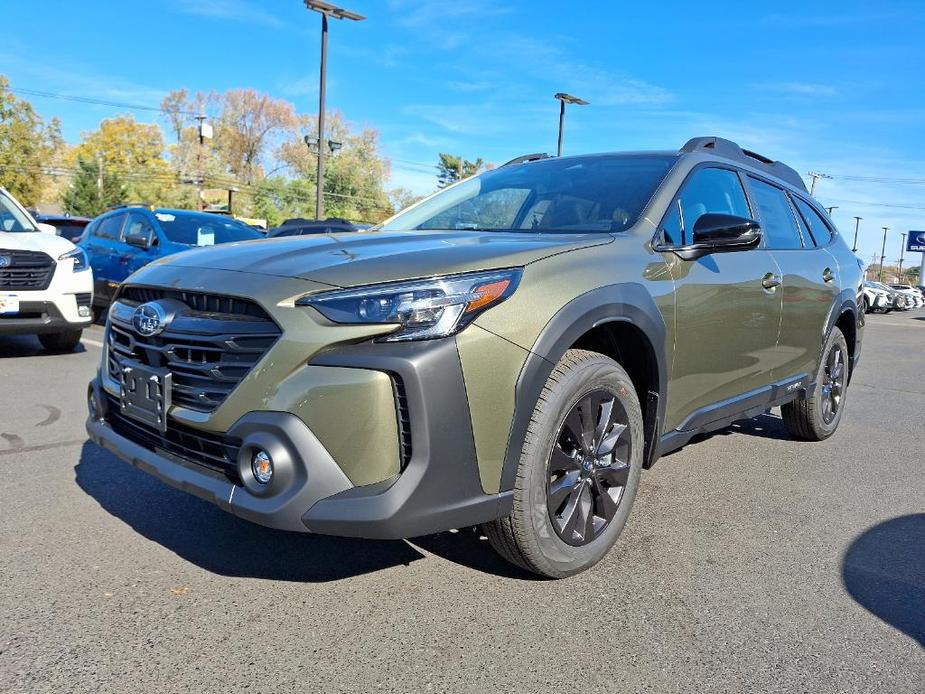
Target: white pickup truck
(46,285)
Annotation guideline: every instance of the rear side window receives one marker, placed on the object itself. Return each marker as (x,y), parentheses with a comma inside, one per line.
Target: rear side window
(818,229)
(110,227)
(776,216)
(707,190)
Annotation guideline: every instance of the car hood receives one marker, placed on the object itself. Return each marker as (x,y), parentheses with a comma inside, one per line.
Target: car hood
(35,241)
(357,258)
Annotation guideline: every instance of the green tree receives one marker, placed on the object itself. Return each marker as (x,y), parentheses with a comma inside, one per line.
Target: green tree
(27,146)
(132,152)
(452,168)
(89,194)
(354,176)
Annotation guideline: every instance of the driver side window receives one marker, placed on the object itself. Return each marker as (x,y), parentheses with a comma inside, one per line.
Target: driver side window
(707,190)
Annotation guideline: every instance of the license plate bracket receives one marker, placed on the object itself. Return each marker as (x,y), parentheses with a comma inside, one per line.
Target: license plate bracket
(9,304)
(144,394)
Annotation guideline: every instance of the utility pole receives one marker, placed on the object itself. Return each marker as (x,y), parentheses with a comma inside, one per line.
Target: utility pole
(99,177)
(857,223)
(882,254)
(902,253)
(326,10)
(814,175)
(830,209)
(199,174)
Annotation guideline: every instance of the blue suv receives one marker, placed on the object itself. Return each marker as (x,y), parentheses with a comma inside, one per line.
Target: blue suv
(127,238)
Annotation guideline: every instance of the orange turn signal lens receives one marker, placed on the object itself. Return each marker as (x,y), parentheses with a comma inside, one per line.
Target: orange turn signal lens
(488,294)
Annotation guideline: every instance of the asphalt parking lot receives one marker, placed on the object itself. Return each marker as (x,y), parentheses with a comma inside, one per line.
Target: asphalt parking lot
(751,563)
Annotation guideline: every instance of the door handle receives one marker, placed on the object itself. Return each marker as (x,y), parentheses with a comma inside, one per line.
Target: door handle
(828,275)
(770,281)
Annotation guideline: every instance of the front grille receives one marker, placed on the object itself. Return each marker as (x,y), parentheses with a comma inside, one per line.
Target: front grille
(26,270)
(214,451)
(404,420)
(209,347)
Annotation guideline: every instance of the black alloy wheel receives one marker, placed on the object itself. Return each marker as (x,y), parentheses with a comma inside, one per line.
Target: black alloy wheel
(588,468)
(833,383)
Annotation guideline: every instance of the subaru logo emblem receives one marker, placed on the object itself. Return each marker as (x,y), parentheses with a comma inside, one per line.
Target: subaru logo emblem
(149,319)
(5,261)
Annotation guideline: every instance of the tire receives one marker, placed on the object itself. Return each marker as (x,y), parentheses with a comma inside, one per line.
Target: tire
(61,342)
(538,535)
(815,417)
(866,305)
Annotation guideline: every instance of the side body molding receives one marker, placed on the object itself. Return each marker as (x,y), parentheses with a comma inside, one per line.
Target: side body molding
(628,302)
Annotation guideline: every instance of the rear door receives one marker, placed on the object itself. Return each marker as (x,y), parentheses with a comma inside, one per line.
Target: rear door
(726,319)
(104,247)
(810,279)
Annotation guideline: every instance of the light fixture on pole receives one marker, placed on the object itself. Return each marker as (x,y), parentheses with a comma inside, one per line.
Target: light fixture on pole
(829,209)
(563,100)
(326,9)
(857,224)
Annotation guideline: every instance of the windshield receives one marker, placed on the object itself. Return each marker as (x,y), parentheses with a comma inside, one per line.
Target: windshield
(11,217)
(202,229)
(601,193)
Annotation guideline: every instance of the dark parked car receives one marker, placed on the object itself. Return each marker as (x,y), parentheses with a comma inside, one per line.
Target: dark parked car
(303,227)
(71,228)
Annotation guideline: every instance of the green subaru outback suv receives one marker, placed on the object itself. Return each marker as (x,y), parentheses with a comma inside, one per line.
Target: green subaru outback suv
(511,352)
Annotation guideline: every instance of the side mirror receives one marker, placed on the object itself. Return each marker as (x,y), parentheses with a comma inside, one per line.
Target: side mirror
(143,238)
(721,233)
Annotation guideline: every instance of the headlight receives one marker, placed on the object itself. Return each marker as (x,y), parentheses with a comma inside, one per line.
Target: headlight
(424,309)
(79,256)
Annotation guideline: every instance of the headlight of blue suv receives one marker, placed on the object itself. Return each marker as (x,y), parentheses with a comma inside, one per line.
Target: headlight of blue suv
(79,256)
(425,309)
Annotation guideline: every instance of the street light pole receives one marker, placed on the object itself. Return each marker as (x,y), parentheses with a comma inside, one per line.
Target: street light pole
(814,175)
(882,254)
(563,100)
(830,209)
(857,224)
(326,10)
(902,254)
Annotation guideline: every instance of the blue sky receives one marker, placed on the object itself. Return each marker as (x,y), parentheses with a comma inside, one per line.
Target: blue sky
(837,87)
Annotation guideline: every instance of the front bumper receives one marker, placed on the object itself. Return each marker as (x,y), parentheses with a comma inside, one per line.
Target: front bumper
(438,489)
(39,317)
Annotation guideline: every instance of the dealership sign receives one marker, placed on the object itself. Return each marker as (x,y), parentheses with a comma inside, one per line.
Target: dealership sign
(915,242)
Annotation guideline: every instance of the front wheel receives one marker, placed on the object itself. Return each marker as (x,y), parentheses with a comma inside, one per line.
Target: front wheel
(815,416)
(61,342)
(579,469)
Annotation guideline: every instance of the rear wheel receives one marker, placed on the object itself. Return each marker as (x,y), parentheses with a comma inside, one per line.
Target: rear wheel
(866,305)
(579,469)
(61,342)
(816,416)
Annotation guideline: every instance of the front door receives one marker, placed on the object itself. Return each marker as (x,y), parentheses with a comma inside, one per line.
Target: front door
(727,307)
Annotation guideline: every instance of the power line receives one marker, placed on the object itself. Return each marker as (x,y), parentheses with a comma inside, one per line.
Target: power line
(99,102)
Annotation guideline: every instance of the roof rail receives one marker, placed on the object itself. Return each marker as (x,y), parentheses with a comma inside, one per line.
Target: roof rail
(130,204)
(525,158)
(730,150)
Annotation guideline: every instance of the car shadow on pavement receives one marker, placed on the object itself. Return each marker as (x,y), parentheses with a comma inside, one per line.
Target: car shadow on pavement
(12,346)
(224,544)
(884,571)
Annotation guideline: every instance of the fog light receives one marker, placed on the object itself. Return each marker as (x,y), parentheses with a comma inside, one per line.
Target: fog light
(262,466)
(83,311)
(92,407)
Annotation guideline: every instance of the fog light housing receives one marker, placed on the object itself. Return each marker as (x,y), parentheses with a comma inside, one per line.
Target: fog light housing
(262,467)
(83,311)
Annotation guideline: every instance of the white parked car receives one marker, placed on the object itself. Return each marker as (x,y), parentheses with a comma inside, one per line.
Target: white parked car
(876,299)
(914,299)
(46,285)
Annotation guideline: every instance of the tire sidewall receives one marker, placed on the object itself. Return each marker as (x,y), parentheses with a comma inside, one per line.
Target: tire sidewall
(836,337)
(594,374)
